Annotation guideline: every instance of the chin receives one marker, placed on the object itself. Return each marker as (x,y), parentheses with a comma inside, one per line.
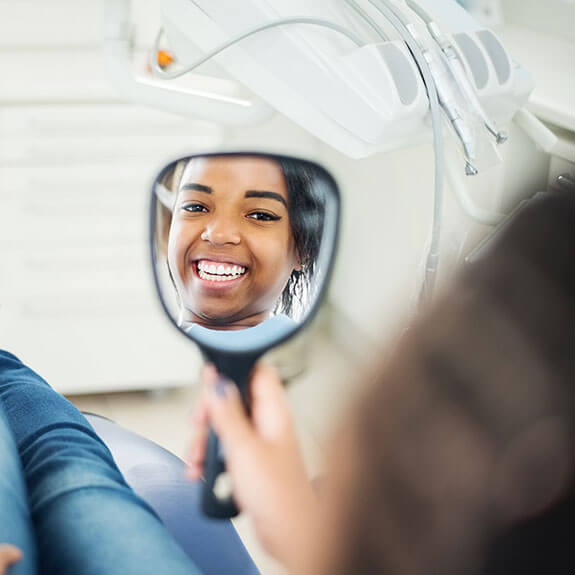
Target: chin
(217,317)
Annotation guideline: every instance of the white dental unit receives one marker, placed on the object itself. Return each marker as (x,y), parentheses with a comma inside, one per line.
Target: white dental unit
(88,115)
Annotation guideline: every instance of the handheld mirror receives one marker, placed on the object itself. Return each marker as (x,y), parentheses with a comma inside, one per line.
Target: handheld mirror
(242,247)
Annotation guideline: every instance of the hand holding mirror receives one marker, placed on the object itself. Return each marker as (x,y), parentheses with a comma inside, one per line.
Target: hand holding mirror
(242,246)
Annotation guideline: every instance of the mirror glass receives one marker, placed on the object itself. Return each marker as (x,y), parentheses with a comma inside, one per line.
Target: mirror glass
(242,245)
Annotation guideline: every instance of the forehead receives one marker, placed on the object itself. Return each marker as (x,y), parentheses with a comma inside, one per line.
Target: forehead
(244,173)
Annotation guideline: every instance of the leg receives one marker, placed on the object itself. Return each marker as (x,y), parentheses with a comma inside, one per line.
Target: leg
(87,519)
(15,523)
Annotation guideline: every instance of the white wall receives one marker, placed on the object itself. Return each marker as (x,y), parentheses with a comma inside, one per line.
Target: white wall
(553,17)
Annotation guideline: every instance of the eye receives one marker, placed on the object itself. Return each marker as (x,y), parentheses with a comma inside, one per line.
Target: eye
(194,207)
(264,216)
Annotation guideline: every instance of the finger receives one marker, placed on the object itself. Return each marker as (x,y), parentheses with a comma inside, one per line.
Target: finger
(196,454)
(227,414)
(197,447)
(196,450)
(209,375)
(200,427)
(194,469)
(270,409)
(9,554)
(196,457)
(199,415)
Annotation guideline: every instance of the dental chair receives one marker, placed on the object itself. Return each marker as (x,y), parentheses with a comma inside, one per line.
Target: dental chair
(159,478)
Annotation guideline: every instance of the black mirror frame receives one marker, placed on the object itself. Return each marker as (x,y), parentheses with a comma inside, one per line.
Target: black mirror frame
(332,223)
(237,364)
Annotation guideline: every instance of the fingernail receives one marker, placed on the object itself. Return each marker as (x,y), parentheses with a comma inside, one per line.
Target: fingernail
(221,388)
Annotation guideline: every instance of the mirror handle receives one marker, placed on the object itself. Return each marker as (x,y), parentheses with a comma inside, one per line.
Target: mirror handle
(238,369)
(215,466)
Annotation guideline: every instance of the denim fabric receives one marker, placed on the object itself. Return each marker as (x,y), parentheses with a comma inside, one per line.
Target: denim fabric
(85,518)
(15,522)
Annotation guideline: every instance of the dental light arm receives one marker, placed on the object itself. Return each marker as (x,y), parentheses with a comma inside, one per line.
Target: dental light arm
(227,110)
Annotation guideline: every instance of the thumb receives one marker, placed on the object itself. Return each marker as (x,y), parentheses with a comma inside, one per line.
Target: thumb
(227,414)
(9,554)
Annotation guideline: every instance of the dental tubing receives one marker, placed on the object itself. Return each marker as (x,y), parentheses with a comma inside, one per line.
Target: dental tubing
(158,71)
(367,18)
(409,36)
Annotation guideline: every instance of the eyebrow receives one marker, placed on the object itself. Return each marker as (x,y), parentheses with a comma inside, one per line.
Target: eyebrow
(249,194)
(197,187)
(266,194)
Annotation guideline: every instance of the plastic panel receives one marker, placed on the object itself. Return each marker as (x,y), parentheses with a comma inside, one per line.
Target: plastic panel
(497,54)
(401,71)
(475,59)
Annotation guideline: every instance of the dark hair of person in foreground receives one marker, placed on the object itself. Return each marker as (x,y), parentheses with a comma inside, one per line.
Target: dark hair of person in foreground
(460,454)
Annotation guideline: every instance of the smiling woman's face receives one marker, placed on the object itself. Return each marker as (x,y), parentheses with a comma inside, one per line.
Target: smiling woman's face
(230,247)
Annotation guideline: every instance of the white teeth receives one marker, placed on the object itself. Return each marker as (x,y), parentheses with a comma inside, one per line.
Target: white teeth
(223,278)
(219,272)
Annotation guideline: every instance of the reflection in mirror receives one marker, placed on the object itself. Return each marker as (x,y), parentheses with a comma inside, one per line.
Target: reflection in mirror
(238,240)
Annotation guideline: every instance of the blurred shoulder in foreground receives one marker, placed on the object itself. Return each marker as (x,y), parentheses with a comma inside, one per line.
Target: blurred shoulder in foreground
(460,455)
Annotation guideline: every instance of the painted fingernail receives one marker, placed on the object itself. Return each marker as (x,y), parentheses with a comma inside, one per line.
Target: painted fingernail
(221,388)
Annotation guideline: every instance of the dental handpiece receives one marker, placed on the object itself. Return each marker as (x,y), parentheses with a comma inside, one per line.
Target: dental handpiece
(458,71)
(456,119)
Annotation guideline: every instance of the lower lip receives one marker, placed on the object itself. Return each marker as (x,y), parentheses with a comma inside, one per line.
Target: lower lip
(217,284)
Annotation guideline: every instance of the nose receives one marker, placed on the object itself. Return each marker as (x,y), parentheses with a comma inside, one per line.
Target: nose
(221,230)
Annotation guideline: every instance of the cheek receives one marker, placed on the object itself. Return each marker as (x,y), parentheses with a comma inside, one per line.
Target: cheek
(279,259)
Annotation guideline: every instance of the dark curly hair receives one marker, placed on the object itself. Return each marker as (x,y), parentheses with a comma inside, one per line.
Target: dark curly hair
(306,208)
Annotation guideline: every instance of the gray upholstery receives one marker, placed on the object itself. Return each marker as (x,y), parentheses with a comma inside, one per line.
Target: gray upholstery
(158,476)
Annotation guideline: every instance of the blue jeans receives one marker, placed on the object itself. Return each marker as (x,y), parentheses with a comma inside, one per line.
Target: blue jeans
(62,499)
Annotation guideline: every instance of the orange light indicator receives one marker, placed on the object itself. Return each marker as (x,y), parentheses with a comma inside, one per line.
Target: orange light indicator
(164,58)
